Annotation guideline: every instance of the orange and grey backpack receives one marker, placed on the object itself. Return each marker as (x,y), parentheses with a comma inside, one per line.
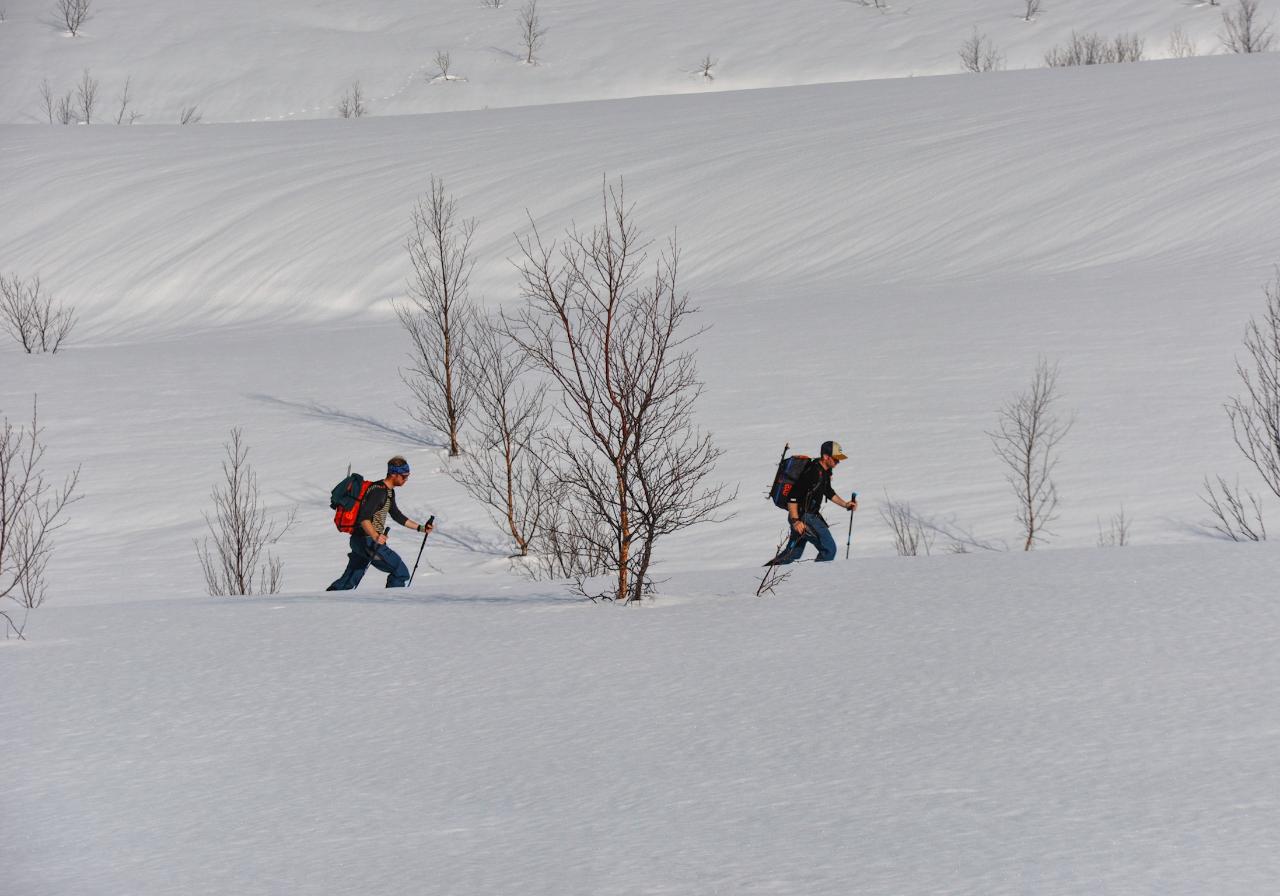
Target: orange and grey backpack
(345,500)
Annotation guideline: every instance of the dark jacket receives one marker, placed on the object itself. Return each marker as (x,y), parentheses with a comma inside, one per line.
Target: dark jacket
(379,503)
(812,488)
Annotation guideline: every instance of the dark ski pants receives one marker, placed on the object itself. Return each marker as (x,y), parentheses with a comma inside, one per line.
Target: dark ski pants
(817,533)
(363,556)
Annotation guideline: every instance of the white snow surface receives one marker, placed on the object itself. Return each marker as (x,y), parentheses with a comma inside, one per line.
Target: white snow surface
(879,261)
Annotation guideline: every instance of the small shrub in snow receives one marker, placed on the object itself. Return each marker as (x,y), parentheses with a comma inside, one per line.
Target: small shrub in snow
(72,14)
(31,510)
(1181,46)
(28,314)
(443,62)
(706,65)
(1031,9)
(978,54)
(1026,441)
(1094,49)
(911,536)
(1116,535)
(352,103)
(1243,29)
(236,561)
(190,115)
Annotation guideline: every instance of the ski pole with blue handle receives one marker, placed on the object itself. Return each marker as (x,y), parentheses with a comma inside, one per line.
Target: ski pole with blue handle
(849,541)
(420,550)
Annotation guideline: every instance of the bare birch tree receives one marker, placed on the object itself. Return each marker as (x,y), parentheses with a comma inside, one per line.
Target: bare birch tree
(124,114)
(87,96)
(1026,441)
(616,343)
(532,32)
(1243,30)
(439,315)
(237,561)
(503,471)
(47,100)
(32,509)
(72,14)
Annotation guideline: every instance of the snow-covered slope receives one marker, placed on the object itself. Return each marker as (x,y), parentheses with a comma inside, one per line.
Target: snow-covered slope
(241,60)
(1067,723)
(880,262)
(924,241)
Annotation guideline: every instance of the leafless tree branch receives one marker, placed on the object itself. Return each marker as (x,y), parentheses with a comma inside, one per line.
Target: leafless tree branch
(1255,415)
(1237,516)
(28,314)
(31,510)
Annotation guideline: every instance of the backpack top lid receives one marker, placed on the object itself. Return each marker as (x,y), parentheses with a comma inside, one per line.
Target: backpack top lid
(347,493)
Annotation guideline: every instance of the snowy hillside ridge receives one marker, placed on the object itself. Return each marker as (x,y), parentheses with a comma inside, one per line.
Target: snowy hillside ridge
(155,63)
(1045,172)
(947,232)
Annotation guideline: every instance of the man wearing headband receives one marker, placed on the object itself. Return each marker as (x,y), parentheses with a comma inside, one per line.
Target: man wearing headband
(369,538)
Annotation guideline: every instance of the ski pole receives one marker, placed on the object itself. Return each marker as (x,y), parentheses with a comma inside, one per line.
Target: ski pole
(420,550)
(849,541)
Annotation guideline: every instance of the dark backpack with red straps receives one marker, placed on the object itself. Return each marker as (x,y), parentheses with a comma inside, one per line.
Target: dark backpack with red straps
(345,500)
(790,469)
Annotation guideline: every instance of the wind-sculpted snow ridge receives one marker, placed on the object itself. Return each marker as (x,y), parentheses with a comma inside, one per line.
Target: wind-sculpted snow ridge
(925,181)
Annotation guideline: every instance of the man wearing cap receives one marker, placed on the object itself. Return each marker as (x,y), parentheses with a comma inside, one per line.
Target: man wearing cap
(807,524)
(369,538)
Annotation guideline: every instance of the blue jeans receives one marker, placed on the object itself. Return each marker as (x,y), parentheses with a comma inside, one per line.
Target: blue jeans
(362,556)
(817,533)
